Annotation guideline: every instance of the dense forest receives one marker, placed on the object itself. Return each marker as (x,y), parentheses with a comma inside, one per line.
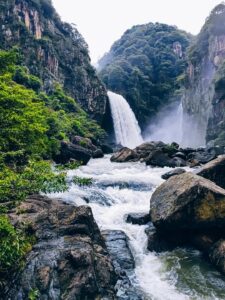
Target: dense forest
(147,66)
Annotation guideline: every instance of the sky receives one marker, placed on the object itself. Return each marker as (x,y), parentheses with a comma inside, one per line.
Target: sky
(102,22)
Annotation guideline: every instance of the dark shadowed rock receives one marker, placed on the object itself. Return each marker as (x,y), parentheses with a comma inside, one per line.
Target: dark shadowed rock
(138,218)
(124,155)
(159,158)
(71,151)
(98,153)
(69,259)
(215,171)
(106,149)
(180,155)
(172,173)
(145,149)
(188,201)
(158,242)
(217,255)
(83,142)
(202,155)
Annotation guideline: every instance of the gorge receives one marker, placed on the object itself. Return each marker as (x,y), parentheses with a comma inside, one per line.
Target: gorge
(111,180)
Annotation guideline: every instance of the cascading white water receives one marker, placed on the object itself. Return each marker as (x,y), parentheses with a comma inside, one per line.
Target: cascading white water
(127,130)
(120,189)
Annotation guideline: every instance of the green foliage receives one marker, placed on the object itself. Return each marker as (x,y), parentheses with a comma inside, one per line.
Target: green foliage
(144,66)
(23,77)
(32,126)
(37,176)
(82,181)
(69,166)
(22,118)
(13,246)
(33,294)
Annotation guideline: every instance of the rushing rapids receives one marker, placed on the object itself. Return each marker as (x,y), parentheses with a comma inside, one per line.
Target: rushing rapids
(119,189)
(126,128)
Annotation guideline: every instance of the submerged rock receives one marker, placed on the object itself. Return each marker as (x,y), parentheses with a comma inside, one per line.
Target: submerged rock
(138,218)
(172,173)
(215,171)
(188,201)
(69,259)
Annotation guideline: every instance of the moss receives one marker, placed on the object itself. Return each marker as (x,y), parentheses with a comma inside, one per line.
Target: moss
(211,208)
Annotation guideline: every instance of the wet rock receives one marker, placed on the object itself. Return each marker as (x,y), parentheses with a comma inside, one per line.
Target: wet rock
(83,142)
(158,242)
(138,218)
(215,171)
(172,173)
(71,151)
(202,156)
(145,149)
(106,149)
(217,255)
(123,261)
(187,150)
(117,245)
(159,158)
(180,155)
(69,259)
(188,201)
(98,153)
(124,155)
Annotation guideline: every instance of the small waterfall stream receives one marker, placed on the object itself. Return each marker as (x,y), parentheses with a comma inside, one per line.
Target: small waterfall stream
(126,128)
(119,189)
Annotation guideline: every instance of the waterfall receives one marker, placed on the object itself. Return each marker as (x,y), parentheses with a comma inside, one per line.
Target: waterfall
(126,128)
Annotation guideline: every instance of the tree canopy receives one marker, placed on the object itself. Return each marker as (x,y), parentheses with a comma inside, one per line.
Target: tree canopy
(144,66)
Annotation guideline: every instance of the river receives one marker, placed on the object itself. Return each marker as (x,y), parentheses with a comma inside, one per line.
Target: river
(119,189)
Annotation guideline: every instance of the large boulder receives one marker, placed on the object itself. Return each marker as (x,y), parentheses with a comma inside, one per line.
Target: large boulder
(69,259)
(215,171)
(95,151)
(124,155)
(188,202)
(70,151)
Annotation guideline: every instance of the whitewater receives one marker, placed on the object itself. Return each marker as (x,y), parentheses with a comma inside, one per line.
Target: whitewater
(122,188)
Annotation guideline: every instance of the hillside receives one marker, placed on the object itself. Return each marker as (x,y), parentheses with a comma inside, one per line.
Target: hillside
(52,50)
(146,66)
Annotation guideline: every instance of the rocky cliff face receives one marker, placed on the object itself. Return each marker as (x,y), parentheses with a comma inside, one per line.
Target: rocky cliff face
(202,103)
(52,50)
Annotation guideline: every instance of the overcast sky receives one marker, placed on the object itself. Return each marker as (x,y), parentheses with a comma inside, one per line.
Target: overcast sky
(101,22)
